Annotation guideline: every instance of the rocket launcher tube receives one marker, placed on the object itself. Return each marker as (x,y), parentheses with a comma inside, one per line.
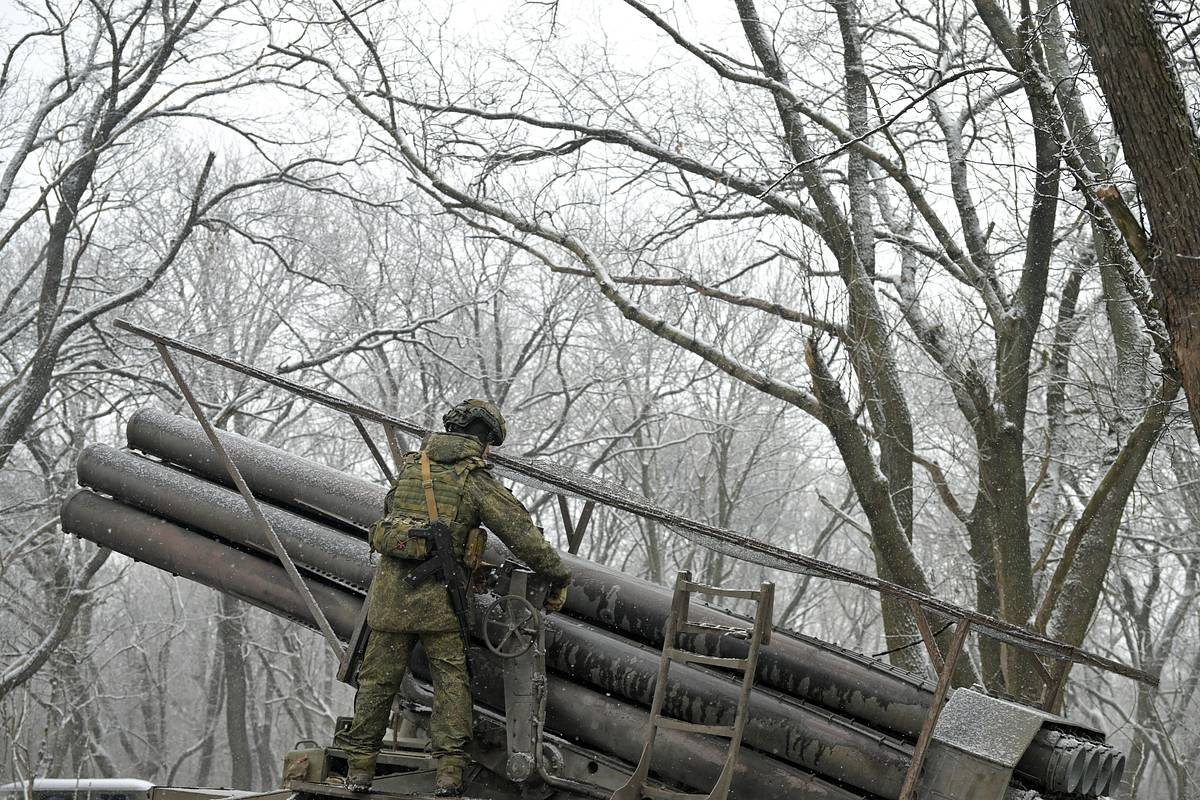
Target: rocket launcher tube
(866,689)
(175,495)
(257,580)
(288,480)
(812,738)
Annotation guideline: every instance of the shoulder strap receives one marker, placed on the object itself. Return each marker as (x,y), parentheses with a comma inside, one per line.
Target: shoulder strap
(470,464)
(427,485)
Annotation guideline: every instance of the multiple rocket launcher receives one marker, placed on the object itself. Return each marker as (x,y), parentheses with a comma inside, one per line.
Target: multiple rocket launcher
(825,722)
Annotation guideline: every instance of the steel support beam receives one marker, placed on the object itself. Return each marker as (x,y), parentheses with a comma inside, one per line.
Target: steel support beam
(234,474)
(378,456)
(575,530)
(945,676)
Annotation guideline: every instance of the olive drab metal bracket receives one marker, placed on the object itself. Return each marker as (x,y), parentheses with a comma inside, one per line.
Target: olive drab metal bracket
(564,482)
(944,667)
(763,599)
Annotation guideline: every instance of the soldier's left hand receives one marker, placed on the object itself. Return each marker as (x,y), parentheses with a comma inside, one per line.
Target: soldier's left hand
(556,598)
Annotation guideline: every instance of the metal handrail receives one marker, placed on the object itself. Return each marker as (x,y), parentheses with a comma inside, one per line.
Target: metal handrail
(255,510)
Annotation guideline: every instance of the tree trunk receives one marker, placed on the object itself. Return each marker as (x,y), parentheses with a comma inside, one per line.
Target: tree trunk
(232,634)
(214,698)
(1149,110)
(894,558)
(999,533)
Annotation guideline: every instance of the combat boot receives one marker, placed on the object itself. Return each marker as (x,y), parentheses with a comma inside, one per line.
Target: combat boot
(449,781)
(359,780)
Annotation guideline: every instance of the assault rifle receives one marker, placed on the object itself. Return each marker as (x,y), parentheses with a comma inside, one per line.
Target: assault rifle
(441,565)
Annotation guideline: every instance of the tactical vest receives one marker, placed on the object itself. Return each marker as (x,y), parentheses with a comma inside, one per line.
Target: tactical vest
(406,507)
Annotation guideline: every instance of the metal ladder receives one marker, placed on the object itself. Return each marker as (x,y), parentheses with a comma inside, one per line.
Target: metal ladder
(764,598)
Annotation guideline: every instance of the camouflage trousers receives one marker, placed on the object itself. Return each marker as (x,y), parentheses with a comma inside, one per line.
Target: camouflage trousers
(383,667)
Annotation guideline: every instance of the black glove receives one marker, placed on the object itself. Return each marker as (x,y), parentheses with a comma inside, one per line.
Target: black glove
(556,598)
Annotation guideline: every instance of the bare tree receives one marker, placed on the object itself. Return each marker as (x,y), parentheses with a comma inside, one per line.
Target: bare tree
(96,207)
(1140,80)
(880,251)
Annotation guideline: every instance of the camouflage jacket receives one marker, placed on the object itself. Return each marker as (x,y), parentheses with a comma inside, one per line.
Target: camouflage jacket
(467,496)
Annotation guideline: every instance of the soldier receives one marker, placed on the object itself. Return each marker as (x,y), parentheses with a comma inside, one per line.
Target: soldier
(462,493)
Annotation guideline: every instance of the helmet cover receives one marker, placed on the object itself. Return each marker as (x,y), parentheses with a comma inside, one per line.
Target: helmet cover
(462,414)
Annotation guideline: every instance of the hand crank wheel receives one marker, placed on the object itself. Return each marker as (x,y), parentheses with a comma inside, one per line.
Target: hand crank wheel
(510,626)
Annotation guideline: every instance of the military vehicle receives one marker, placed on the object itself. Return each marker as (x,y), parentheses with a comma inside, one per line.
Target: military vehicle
(566,703)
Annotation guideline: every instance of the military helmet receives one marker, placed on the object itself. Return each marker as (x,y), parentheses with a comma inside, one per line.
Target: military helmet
(462,414)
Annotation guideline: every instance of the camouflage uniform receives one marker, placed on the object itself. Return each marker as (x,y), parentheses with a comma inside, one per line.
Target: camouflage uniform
(398,615)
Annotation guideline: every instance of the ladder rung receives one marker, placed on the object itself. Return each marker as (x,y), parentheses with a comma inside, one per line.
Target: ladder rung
(667,794)
(686,657)
(700,588)
(692,727)
(707,627)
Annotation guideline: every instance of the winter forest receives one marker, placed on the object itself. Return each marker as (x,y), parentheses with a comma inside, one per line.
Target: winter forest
(865,279)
